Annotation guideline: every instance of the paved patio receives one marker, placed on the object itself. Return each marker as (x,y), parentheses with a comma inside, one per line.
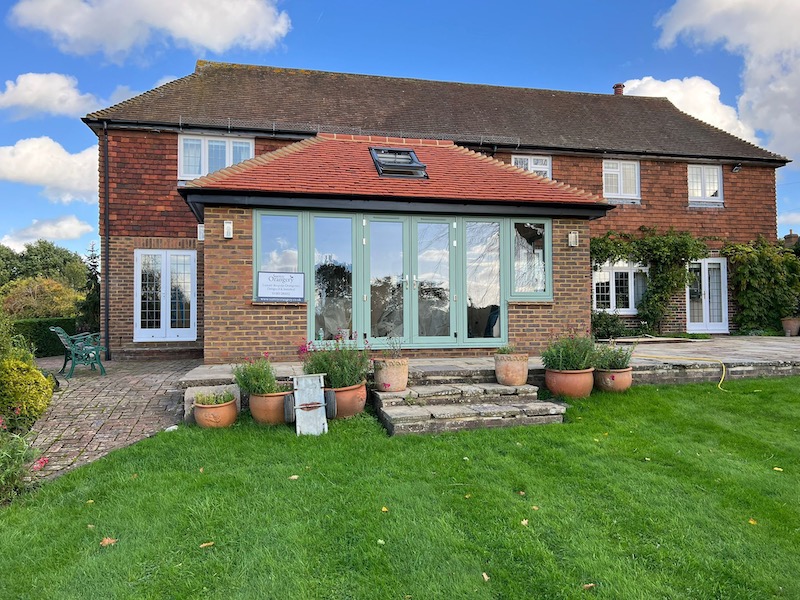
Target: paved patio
(92,415)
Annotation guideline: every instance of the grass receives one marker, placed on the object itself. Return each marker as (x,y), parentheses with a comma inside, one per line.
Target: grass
(645,495)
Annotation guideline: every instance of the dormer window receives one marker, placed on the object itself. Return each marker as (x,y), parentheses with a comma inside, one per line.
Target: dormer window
(398,162)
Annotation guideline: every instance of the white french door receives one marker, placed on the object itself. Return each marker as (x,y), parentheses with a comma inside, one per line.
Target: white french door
(707,296)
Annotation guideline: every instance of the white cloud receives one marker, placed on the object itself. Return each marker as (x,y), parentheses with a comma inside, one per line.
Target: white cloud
(696,96)
(63,228)
(51,93)
(765,35)
(43,162)
(115,27)
(790,218)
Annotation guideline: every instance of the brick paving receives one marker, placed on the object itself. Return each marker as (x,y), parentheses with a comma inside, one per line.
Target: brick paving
(92,415)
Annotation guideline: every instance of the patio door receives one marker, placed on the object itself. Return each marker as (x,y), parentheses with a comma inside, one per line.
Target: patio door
(707,296)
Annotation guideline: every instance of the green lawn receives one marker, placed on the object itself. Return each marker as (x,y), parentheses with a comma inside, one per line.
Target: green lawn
(664,492)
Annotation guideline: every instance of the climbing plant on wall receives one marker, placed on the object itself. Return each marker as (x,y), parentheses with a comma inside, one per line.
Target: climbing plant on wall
(766,281)
(666,255)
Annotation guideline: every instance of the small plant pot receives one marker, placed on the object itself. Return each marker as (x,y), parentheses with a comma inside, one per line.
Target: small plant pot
(391,374)
(791,326)
(570,384)
(350,400)
(613,380)
(511,369)
(215,415)
(268,409)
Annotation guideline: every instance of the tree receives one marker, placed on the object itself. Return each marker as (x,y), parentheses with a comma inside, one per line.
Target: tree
(38,297)
(45,259)
(9,265)
(89,307)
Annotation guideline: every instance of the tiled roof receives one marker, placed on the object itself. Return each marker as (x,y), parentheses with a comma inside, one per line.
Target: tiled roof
(340,164)
(294,100)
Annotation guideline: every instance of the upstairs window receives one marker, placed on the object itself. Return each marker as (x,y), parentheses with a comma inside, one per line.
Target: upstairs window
(398,162)
(541,165)
(201,155)
(705,183)
(621,179)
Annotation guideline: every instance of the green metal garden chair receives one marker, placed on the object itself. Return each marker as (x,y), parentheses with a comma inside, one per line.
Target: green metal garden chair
(81,349)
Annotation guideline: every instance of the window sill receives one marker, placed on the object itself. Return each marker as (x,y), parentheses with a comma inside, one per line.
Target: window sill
(632,201)
(139,340)
(263,303)
(706,204)
(624,312)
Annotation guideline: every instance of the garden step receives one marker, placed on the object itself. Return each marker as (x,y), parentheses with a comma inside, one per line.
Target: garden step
(400,420)
(457,393)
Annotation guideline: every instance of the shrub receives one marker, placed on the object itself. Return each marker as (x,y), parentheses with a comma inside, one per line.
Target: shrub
(24,394)
(38,297)
(15,456)
(607,326)
(38,334)
(213,398)
(608,357)
(506,350)
(343,363)
(572,353)
(256,376)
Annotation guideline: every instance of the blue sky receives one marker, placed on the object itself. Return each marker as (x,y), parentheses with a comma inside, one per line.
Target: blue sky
(733,63)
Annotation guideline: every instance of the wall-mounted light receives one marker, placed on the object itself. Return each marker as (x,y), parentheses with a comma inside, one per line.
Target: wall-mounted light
(201,232)
(736,168)
(227,230)
(574,240)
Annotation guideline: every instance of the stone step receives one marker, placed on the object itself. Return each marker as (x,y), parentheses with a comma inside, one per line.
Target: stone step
(400,420)
(457,393)
(418,377)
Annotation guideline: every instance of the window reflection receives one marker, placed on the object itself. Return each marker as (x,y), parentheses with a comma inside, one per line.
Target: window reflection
(279,243)
(483,279)
(333,276)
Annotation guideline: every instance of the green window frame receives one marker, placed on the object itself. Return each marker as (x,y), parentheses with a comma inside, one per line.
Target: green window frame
(537,284)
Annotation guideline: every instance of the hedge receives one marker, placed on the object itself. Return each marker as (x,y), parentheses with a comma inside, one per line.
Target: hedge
(37,331)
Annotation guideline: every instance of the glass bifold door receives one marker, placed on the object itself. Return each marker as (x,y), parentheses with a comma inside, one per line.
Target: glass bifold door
(420,279)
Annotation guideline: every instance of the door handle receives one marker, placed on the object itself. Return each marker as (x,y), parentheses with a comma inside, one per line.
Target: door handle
(415,282)
(405,279)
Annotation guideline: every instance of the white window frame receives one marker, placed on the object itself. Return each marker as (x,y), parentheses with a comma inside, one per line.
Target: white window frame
(165,333)
(204,140)
(542,170)
(608,167)
(704,198)
(631,268)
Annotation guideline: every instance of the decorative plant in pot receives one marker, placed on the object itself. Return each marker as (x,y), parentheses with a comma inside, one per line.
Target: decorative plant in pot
(510,366)
(568,366)
(345,367)
(215,409)
(791,325)
(612,368)
(391,370)
(256,377)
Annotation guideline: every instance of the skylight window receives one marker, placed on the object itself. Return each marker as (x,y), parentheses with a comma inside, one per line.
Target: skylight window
(398,162)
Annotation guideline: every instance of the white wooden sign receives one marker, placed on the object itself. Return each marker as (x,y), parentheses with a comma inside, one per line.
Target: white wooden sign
(281,287)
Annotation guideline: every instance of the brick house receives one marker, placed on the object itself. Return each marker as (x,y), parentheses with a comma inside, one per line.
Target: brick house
(284,205)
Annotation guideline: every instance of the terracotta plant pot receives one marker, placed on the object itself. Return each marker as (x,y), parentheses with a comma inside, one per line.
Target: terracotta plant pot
(268,409)
(613,380)
(570,384)
(350,400)
(511,369)
(215,415)
(391,374)
(791,326)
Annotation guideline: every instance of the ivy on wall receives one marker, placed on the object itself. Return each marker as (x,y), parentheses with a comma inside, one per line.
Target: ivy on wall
(666,255)
(766,281)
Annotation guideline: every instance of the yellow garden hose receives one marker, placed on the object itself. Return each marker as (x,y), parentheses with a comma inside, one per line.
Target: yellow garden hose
(691,358)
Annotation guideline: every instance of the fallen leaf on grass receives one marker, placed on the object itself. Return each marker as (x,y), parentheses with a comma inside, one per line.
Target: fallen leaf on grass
(752,521)
(777,469)
(384,509)
(485,576)
(467,496)
(294,477)
(381,543)
(524,522)
(206,544)
(90,526)
(202,469)
(134,476)
(646,459)
(107,541)
(521,493)
(90,502)
(535,507)
(588,586)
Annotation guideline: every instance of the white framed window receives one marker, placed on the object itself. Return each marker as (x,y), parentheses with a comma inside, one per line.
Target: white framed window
(621,179)
(619,287)
(165,295)
(705,183)
(541,165)
(200,155)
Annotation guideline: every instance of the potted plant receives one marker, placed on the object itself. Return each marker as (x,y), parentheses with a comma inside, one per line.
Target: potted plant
(345,367)
(256,377)
(568,366)
(791,326)
(391,370)
(510,366)
(215,409)
(612,368)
